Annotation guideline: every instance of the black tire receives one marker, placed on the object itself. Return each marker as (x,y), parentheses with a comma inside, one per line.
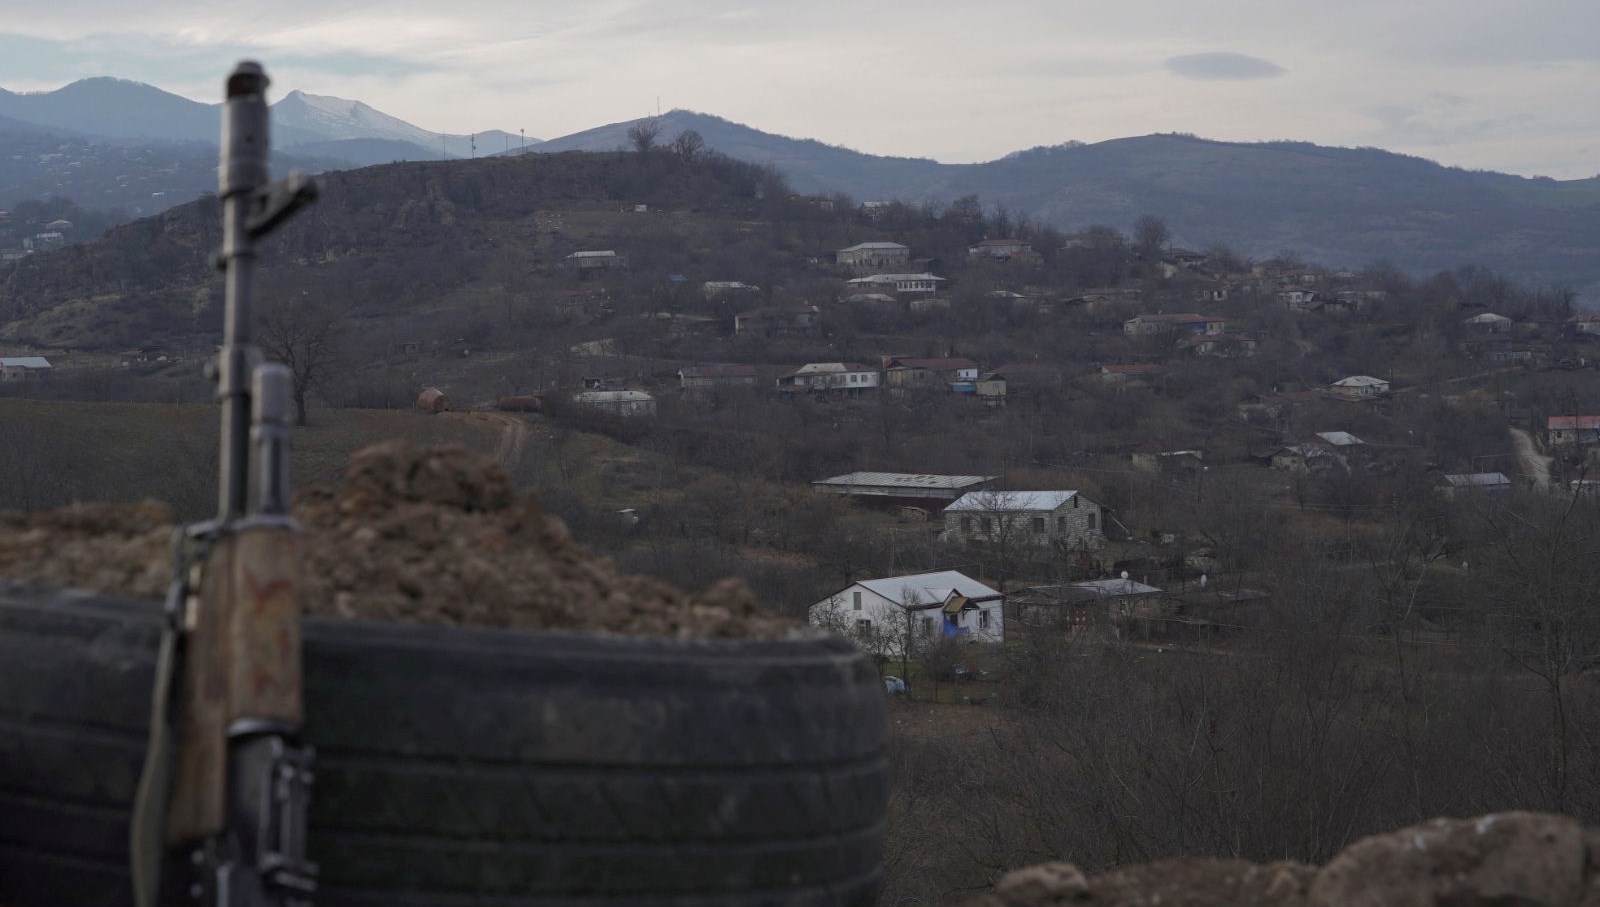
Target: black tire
(475,767)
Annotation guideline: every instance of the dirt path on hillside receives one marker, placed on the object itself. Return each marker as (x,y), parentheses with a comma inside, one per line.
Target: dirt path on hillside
(514,435)
(1535,465)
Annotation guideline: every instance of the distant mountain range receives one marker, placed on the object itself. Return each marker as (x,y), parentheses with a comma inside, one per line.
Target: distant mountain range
(117,111)
(1339,206)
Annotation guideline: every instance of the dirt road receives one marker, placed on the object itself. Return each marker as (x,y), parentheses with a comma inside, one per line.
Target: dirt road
(1535,466)
(513,436)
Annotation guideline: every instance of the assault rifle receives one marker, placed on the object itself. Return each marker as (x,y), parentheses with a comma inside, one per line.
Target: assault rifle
(220,818)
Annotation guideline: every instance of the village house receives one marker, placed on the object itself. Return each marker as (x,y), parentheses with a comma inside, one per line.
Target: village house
(1147,325)
(1297,300)
(847,378)
(1168,462)
(1001,249)
(1129,373)
(713,289)
(1062,518)
(1451,486)
(618,403)
(900,489)
(1336,440)
(770,322)
(1588,324)
(1335,307)
(1360,386)
(873,255)
(898,615)
(991,388)
(1488,323)
(1229,344)
(24,368)
(902,373)
(1129,605)
(598,260)
(706,378)
(900,283)
(1217,293)
(1186,258)
(1304,458)
(1083,606)
(1572,430)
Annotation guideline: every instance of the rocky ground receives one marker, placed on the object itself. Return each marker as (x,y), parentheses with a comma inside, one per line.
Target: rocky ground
(423,534)
(1505,860)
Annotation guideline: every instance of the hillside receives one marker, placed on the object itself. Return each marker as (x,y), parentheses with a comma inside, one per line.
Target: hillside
(380,240)
(1341,206)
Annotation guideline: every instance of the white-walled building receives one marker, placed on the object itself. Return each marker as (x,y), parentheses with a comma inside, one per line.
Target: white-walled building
(901,283)
(844,377)
(1026,517)
(886,616)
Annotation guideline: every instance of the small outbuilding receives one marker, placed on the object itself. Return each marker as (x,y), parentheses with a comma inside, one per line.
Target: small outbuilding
(433,400)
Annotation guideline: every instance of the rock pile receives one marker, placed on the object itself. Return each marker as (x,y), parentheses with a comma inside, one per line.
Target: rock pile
(1515,859)
(423,534)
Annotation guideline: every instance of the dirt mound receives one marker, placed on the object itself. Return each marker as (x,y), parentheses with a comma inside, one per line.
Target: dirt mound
(1525,859)
(425,534)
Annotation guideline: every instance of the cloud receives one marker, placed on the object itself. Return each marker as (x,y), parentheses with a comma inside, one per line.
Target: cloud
(1222,65)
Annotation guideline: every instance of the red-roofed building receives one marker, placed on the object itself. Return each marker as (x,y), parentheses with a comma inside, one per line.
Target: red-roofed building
(1573,429)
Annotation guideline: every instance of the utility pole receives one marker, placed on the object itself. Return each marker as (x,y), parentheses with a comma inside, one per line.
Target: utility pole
(220,814)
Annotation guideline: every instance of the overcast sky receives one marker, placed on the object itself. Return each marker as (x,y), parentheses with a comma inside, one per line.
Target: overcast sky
(1509,85)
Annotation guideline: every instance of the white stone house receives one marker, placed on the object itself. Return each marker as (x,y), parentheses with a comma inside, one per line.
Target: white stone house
(900,283)
(897,615)
(873,255)
(1062,518)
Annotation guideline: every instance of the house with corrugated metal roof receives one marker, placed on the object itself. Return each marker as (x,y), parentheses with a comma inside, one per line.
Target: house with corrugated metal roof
(899,614)
(1059,518)
(24,368)
(1360,386)
(625,403)
(595,260)
(901,489)
(1474,483)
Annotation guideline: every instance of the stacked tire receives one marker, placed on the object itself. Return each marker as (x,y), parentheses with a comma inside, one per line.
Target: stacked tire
(462,766)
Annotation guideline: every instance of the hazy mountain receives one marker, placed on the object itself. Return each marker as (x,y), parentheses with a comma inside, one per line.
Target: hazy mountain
(116,109)
(810,165)
(125,111)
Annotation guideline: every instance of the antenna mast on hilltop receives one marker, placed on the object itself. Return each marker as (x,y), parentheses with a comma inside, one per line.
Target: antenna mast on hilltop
(472,141)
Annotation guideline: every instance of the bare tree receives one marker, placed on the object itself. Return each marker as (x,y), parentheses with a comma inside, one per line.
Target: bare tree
(689,145)
(305,336)
(644,135)
(1151,235)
